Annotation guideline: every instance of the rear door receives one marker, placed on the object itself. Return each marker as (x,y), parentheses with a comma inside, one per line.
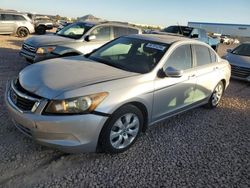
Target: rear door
(7,23)
(174,94)
(206,72)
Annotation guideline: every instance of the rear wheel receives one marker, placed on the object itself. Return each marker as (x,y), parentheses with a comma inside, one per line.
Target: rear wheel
(22,32)
(122,130)
(216,95)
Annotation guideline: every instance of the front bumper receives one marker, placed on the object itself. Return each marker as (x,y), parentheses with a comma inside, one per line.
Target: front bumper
(76,133)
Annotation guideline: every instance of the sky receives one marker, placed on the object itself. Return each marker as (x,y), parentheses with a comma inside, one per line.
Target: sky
(151,12)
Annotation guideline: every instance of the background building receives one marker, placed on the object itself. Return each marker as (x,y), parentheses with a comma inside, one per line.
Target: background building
(236,30)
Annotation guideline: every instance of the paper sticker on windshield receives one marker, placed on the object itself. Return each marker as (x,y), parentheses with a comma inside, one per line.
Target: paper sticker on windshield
(156,46)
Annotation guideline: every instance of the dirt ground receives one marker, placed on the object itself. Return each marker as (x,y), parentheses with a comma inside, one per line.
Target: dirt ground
(199,148)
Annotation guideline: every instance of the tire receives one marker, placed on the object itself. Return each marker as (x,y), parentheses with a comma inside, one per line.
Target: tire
(40,30)
(122,130)
(22,32)
(216,96)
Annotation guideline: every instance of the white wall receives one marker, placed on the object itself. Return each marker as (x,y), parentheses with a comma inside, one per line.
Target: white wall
(233,30)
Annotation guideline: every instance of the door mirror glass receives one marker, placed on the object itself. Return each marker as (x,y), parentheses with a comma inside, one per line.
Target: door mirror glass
(89,38)
(172,72)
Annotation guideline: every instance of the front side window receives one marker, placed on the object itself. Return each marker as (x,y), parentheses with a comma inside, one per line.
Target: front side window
(102,33)
(202,55)
(243,49)
(180,59)
(75,30)
(131,54)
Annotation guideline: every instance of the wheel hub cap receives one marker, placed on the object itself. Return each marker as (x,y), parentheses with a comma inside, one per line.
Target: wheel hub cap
(124,131)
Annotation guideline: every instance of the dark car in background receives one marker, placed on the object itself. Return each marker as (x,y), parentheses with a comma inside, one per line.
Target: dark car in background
(41,23)
(194,33)
(239,59)
(75,39)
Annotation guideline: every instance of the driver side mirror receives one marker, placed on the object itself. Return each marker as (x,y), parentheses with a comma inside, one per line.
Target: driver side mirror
(195,36)
(172,72)
(89,38)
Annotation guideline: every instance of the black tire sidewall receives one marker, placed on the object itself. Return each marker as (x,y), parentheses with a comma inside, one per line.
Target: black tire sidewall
(22,29)
(104,139)
(40,30)
(210,104)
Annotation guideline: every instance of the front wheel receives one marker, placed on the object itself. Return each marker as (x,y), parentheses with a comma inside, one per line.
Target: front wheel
(40,30)
(216,95)
(122,130)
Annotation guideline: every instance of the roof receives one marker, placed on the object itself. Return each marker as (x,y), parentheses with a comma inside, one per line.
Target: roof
(11,12)
(109,22)
(161,38)
(220,24)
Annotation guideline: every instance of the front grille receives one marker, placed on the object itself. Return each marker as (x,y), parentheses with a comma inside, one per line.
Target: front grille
(29,48)
(241,72)
(22,99)
(22,103)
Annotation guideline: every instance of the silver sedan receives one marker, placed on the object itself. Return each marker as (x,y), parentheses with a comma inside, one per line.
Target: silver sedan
(239,59)
(104,100)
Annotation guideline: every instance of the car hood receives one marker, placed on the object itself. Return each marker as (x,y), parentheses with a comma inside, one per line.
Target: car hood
(238,60)
(47,40)
(51,78)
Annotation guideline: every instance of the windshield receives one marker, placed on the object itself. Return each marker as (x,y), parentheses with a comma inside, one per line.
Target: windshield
(131,54)
(182,30)
(75,30)
(243,49)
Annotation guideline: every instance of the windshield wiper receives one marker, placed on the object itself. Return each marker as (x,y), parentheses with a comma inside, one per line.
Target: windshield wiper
(107,63)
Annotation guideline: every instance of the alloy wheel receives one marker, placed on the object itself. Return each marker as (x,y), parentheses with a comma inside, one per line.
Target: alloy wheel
(124,131)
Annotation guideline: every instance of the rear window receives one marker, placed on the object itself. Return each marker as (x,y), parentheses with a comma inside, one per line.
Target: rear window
(202,55)
(122,31)
(19,18)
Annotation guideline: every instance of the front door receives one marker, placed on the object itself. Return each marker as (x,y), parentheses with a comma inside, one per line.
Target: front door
(173,94)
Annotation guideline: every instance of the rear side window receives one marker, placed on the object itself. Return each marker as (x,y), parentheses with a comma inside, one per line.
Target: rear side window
(122,31)
(8,17)
(181,58)
(202,55)
(19,18)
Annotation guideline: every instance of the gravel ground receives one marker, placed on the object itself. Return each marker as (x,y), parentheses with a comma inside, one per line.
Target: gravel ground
(199,148)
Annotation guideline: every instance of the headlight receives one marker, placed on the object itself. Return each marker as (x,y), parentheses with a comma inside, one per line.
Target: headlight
(77,105)
(45,50)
